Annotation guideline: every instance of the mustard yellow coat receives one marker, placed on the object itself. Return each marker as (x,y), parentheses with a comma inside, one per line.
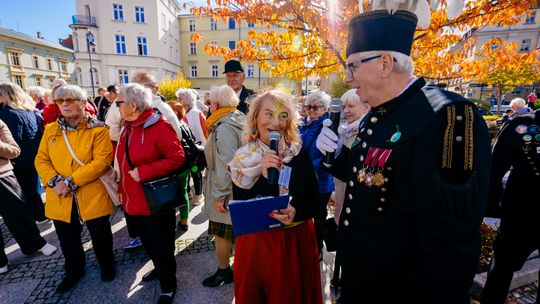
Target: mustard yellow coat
(92,145)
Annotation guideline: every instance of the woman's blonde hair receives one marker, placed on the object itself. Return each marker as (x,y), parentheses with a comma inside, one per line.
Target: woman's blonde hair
(287,101)
(224,96)
(14,97)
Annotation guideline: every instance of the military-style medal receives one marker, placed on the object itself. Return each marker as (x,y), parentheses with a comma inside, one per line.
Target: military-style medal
(371,173)
(533,129)
(537,137)
(521,129)
(396,136)
(527,138)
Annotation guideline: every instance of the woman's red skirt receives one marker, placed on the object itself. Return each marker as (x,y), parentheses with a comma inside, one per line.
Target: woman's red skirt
(278,266)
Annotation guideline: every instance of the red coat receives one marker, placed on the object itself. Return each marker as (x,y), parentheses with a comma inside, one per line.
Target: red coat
(154,149)
(50,113)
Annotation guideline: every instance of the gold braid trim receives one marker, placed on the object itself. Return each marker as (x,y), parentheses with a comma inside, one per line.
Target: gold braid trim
(469,122)
(448,137)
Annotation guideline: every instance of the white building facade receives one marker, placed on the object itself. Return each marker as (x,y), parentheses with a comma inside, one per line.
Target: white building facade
(128,36)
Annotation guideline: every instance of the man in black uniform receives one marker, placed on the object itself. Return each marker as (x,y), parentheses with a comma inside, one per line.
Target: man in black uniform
(234,73)
(517,148)
(417,175)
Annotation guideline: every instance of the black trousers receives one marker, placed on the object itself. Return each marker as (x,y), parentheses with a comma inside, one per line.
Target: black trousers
(131,228)
(28,179)
(320,219)
(18,219)
(197,182)
(69,235)
(157,235)
(510,253)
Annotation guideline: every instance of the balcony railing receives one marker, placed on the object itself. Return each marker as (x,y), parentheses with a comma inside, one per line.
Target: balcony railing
(84,20)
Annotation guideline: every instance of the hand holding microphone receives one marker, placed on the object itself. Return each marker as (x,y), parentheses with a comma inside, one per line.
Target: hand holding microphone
(271,162)
(327,141)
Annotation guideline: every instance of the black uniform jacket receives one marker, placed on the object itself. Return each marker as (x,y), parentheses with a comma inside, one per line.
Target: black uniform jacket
(517,148)
(243,104)
(417,180)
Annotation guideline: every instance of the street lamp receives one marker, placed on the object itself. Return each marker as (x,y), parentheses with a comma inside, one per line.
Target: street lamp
(90,42)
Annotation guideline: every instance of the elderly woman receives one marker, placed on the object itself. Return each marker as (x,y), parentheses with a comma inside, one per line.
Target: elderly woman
(354,110)
(148,150)
(74,192)
(37,94)
(17,110)
(317,105)
(197,123)
(519,107)
(17,218)
(277,265)
(225,126)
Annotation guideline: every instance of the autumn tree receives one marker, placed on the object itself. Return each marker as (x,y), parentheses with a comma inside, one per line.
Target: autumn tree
(502,65)
(169,86)
(313,34)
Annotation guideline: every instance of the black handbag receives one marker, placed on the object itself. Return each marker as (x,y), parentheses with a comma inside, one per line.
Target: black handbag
(162,194)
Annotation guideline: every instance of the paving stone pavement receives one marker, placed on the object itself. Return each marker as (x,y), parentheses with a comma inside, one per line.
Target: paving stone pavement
(33,279)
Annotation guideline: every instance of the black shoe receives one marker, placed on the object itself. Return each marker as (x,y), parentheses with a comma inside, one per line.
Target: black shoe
(165,299)
(68,282)
(108,275)
(182,227)
(221,276)
(150,276)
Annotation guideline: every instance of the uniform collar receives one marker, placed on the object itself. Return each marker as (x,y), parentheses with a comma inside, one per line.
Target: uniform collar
(384,109)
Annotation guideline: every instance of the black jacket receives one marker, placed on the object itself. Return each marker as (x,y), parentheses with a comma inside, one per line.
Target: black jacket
(418,232)
(517,147)
(102,106)
(243,104)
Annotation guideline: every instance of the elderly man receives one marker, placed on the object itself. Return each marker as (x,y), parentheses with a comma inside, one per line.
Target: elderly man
(234,72)
(417,175)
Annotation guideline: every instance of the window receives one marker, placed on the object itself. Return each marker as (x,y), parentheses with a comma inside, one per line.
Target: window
(163,22)
(79,76)
(232,44)
(141,46)
(49,64)
(213,24)
(193,71)
(95,75)
(139,14)
(250,70)
(192,25)
(250,24)
(232,24)
(525,45)
(123,76)
(494,46)
(63,66)
(35,61)
(118,12)
(192,48)
(215,71)
(531,18)
(15,58)
(120,44)
(18,79)
(38,81)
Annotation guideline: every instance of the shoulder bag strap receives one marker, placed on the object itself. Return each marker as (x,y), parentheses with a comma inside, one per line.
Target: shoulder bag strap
(127,153)
(70,149)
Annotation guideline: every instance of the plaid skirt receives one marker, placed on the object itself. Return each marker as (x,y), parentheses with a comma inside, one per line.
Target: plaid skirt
(222,230)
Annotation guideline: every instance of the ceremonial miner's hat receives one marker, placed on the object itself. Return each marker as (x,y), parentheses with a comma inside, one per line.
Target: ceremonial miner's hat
(380,30)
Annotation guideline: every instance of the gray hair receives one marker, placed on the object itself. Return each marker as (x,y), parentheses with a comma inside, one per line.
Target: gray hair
(70,91)
(138,94)
(224,96)
(403,63)
(320,97)
(39,92)
(189,96)
(518,103)
(351,95)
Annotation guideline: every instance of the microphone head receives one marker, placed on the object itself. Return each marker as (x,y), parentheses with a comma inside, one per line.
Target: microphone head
(336,105)
(274,135)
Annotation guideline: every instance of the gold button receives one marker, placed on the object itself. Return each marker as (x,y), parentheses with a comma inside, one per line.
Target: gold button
(380,209)
(374,119)
(347,210)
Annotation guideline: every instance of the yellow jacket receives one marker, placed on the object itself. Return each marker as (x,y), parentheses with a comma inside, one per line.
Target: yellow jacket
(91,143)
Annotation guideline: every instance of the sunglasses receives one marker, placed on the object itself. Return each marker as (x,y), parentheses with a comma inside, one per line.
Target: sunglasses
(314,108)
(70,101)
(118,102)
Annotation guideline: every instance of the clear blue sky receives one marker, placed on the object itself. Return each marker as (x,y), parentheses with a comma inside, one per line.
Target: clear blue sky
(51,18)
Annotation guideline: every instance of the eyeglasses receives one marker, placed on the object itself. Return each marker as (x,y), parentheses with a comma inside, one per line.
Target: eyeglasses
(314,108)
(355,64)
(118,102)
(70,101)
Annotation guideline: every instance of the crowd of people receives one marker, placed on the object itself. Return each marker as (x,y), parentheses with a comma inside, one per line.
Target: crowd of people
(409,181)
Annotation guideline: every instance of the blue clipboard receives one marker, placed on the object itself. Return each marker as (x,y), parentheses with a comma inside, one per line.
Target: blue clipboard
(249,216)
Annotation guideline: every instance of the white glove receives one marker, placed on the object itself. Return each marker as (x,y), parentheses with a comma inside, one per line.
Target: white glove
(327,139)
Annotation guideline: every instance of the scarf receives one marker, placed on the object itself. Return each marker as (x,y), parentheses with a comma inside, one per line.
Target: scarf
(217,115)
(245,168)
(91,122)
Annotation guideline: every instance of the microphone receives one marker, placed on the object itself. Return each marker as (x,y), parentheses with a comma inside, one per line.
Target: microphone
(273,173)
(335,112)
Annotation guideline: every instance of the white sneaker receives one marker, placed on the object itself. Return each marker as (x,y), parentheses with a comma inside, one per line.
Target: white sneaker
(197,200)
(48,249)
(4,269)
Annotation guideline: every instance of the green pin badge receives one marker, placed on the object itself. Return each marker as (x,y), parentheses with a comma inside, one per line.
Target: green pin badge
(396,136)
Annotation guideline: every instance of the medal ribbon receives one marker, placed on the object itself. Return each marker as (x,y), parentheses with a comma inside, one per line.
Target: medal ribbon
(369,155)
(384,157)
(375,157)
